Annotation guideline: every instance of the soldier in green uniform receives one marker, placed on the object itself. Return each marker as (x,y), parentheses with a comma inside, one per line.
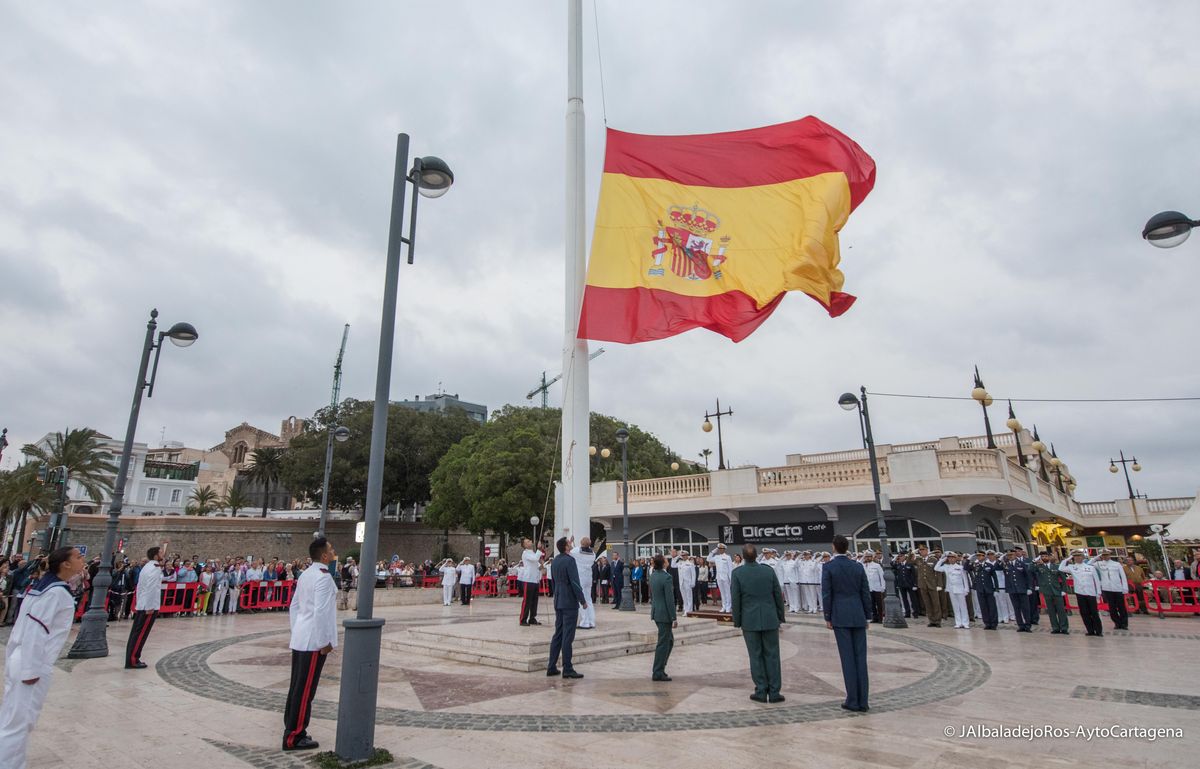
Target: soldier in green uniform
(928,585)
(1052,584)
(758,611)
(662,611)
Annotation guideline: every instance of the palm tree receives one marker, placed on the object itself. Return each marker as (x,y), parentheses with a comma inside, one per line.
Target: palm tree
(705,455)
(265,470)
(235,499)
(79,451)
(21,493)
(205,499)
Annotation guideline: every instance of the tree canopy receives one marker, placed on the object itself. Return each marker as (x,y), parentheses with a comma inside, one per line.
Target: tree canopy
(500,476)
(89,465)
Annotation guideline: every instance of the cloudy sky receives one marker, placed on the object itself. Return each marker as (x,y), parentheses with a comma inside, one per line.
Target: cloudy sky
(230,163)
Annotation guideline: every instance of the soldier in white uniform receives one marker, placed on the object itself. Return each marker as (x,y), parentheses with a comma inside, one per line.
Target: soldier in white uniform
(145,610)
(313,616)
(958,585)
(38,635)
(449,580)
(687,582)
(529,574)
(791,581)
(1086,583)
(466,580)
(876,584)
(585,558)
(810,582)
(724,567)
(1004,607)
(1113,586)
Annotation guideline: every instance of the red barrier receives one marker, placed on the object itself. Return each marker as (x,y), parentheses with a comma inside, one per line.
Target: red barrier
(484,586)
(179,597)
(85,603)
(1073,605)
(431,582)
(1173,596)
(267,594)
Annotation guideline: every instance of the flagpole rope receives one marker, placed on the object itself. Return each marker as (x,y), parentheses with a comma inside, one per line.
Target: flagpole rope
(600,61)
(1037,400)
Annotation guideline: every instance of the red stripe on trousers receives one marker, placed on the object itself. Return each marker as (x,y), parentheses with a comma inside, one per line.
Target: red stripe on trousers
(312,669)
(141,639)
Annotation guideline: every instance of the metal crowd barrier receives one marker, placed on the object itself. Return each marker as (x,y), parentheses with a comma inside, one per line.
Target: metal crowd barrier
(266,594)
(1172,596)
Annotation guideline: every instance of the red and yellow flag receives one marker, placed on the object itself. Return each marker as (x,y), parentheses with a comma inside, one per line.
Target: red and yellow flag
(710,231)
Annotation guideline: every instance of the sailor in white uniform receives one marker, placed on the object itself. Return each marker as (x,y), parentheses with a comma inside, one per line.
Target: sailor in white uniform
(791,581)
(38,635)
(724,567)
(584,560)
(958,585)
(449,580)
(687,581)
(810,582)
(313,616)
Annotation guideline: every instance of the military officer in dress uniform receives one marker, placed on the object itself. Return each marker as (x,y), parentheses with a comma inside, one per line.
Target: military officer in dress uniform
(687,581)
(1052,584)
(313,615)
(758,611)
(1018,583)
(662,611)
(929,585)
(1087,589)
(906,584)
(983,581)
(585,561)
(39,632)
(723,565)
(1114,586)
(145,610)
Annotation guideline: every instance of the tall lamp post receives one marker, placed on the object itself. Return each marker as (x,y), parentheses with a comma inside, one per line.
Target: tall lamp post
(92,640)
(1168,229)
(341,434)
(359,689)
(1040,448)
(1014,424)
(1160,533)
(980,394)
(1125,465)
(893,616)
(626,588)
(707,427)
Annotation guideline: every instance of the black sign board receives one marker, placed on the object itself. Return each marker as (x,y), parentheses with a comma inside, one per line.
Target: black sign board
(744,533)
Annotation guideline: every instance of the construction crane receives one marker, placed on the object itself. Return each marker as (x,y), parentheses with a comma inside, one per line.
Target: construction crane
(544,388)
(335,430)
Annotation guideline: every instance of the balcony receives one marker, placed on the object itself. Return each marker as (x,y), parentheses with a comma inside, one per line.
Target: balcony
(171,471)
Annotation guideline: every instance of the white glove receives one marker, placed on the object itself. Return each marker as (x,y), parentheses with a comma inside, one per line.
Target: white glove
(1028,592)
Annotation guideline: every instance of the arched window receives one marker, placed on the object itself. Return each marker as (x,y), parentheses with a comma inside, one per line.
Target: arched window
(663,540)
(903,534)
(986,537)
(1019,538)
(239,453)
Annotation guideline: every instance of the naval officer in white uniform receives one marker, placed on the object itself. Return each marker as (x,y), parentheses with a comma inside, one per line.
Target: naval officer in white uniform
(313,616)
(724,566)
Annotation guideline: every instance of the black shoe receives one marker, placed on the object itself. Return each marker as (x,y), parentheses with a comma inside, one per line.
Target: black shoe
(136,666)
(571,674)
(864,709)
(534,622)
(776,698)
(847,707)
(759,697)
(553,672)
(304,743)
(524,624)
(661,678)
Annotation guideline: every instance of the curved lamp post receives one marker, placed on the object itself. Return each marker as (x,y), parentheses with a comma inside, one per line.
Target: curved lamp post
(1014,424)
(980,394)
(892,615)
(341,434)
(359,691)
(1168,229)
(92,640)
(626,587)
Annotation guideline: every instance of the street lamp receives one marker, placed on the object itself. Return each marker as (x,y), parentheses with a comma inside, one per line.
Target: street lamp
(359,690)
(981,394)
(1125,465)
(626,588)
(1040,448)
(92,640)
(893,617)
(1014,424)
(1160,532)
(1168,229)
(341,434)
(707,427)
(1058,467)
(533,522)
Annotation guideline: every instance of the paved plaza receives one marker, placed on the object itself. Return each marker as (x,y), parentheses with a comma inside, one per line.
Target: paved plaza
(214,692)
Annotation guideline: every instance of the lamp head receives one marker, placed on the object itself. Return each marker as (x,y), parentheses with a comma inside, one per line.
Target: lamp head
(591,451)
(622,435)
(1112,468)
(1039,447)
(674,466)
(848,401)
(1156,527)
(707,426)
(534,520)
(182,334)
(605,452)
(1167,229)
(432,176)
(341,433)
(1136,467)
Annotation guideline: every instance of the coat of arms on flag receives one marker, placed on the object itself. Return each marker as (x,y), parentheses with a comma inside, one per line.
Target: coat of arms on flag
(689,241)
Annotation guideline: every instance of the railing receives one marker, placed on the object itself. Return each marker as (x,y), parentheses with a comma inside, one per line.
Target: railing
(898,448)
(1018,476)
(1098,508)
(675,487)
(980,441)
(833,456)
(1170,504)
(969,464)
(843,473)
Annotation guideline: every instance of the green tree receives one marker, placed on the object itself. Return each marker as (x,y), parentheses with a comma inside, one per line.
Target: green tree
(203,500)
(234,500)
(416,442)
(264,469)
(21,494)
(499,477)
(89,465)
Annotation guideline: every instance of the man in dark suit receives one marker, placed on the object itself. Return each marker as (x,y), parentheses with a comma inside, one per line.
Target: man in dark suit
(847,602)
(616,578)
(569,598)
(662,611)
(1018,583)
(758,611)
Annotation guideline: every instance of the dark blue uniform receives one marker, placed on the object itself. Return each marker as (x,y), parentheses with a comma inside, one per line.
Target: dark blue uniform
(906,586)
(1018,583)
(985,585)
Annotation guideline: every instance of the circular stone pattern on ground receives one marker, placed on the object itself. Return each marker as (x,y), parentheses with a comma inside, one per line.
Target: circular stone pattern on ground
(955,672)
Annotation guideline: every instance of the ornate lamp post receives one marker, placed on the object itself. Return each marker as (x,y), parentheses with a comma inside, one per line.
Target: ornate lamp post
(1015,425)
(92,640)
(1040,448)
(893,616)
(359,692)
(626,588)
(1125,465)
(341,434)
(707,427)
(981,394)
(1168,229)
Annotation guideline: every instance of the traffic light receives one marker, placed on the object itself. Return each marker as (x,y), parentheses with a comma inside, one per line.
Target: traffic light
(43,474)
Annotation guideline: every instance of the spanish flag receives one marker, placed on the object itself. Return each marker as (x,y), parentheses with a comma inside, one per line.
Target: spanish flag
(710,231)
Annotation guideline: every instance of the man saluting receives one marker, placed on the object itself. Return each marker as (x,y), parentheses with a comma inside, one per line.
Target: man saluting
(313,614)
(37,637)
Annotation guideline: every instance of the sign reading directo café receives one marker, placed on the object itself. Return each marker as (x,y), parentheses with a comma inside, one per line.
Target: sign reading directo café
(747,534)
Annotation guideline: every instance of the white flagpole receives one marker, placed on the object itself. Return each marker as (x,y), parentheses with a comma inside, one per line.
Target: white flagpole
(574,517)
